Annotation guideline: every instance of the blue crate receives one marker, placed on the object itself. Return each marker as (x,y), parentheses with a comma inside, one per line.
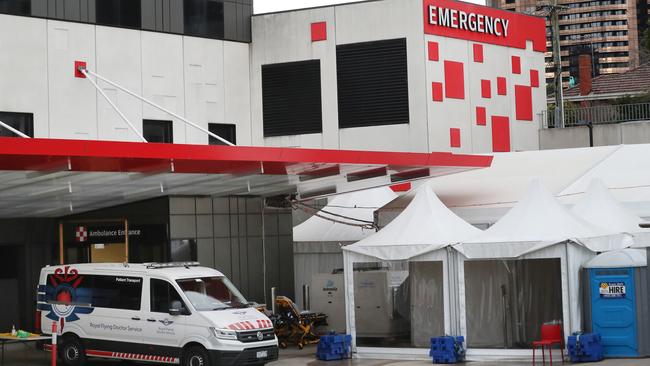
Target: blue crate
(585,347)
(333,347)
(447,349)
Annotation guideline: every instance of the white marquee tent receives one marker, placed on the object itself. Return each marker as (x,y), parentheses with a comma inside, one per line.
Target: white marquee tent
(317,241)
(416,242)
(601,209)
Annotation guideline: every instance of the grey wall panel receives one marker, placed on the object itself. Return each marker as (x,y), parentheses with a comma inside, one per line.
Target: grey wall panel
(166,20)
(234,261)
(222,256)
(272,267)
(159,15)
(221,226)
(253,205)
(148,14)
(254,225)
(230,20)
(92,6)
(643,317)
(243,263)
(176,16)
(60,9)
(182,226)
(271,224)
(285,246)
(203,205)
(234,225)
(182,205)
(83,10)
(221,205)
(255,270)
(285,223)
(204,226)
(205,252)
(39,8)
(51,8)
(72,9)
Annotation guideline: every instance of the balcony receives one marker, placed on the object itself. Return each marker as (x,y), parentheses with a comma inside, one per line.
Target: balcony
(603,114)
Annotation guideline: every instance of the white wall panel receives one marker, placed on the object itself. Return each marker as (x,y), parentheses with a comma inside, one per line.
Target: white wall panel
(73,103)
(23,61)
(117,51)
(237,92)
(204,85)
(162,78)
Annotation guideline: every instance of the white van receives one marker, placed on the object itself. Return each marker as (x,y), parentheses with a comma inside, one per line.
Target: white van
(177,313)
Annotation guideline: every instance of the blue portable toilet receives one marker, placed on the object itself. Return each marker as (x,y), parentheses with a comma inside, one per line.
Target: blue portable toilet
(615,300)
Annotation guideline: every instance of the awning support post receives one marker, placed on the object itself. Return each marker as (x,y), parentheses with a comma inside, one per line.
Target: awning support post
(137,133)
(85,71)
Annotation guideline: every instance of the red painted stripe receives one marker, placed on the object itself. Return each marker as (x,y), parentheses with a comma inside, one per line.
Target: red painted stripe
(251,325)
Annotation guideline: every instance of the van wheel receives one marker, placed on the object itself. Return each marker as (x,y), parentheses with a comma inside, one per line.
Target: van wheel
(196,356)
(72,351)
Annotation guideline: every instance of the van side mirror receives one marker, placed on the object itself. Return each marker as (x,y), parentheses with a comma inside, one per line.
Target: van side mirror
(175,308)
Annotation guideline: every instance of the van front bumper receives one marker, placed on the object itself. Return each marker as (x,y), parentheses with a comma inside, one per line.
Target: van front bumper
(246,357)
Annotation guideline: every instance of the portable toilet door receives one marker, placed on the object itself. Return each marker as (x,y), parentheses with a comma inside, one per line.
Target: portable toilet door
(613,310)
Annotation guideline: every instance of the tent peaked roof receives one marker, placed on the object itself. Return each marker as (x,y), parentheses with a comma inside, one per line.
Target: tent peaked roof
(358,205)
(425,225)
(536,221)
(598,207)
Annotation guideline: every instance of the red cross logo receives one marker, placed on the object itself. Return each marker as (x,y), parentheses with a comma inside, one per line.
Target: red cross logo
(81,234)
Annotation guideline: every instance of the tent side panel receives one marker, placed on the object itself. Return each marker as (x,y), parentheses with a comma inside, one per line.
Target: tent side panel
(643,317)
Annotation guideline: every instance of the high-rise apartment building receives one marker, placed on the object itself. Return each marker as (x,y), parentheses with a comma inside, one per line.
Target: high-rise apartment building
(609,30)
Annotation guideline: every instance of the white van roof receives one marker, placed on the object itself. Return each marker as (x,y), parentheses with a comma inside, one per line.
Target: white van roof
(167,270)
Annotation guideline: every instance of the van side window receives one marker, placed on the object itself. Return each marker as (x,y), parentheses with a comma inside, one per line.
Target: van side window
(112,292)
(162,295)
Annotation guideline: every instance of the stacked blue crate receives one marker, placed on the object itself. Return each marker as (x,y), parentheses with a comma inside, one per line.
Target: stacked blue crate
(447,349)
(585,347)
(333,347)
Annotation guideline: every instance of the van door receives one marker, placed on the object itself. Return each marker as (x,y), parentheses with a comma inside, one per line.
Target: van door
(164,332)
(116,323)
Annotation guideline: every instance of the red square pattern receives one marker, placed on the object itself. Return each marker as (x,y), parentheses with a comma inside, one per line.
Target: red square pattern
(500,134)
(486,87)
(433,51)
(436,91)
(481,116)
(534,78)
(318,31)
(516,65)
(523,103)
(454,137)
(454,80)
(501,85)
(478,52)
(77,65)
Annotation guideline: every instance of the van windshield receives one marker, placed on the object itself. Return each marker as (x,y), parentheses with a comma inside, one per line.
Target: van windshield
(212,293)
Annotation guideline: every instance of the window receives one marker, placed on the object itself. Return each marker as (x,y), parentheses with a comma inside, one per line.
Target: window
(158,131)
(226,131)
(112,292)
(23,122)
(203,18)
(122,13)
(162,296)
(291,98)
(15,7)
(372,83)
(212,293)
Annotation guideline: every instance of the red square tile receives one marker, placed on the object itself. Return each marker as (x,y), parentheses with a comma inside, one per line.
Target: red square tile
(77,65)
(478,52)
(486,88)
(454,80)
(318,31)
(481,116)
(454,137)
(516,65)
(534,78)
(502,86)
(523,103)
(433,51)
(436,91)
(500,134)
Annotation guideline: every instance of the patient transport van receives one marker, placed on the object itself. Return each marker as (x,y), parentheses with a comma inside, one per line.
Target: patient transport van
(178,313)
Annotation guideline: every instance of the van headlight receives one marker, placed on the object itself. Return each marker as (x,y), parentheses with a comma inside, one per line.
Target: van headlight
(224,333)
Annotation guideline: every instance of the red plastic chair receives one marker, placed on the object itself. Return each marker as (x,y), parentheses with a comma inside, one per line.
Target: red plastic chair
(551,335)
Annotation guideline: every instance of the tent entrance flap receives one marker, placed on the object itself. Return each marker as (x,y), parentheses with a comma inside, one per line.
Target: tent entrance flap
(398,304)
(507,301)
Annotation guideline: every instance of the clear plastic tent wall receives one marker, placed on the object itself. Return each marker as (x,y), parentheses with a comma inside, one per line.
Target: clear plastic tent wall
(401,282)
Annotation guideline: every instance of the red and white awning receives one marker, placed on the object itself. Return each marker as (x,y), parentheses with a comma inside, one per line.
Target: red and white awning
(52,177)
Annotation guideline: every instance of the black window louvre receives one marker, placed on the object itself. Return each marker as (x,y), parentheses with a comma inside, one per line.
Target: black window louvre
(23,122)
(120,13)
(372,79)
(223,130)
(158,131)
(291,97)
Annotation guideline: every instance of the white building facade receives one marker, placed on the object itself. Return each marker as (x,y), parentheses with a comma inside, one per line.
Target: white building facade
(389,75)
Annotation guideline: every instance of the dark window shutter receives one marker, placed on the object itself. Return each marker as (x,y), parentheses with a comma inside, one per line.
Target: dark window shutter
(291,97)
(372,82)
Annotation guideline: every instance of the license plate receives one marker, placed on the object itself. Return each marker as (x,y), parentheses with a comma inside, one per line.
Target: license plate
(262,354)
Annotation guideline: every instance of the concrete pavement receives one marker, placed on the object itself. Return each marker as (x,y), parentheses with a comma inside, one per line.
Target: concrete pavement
(20,355)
